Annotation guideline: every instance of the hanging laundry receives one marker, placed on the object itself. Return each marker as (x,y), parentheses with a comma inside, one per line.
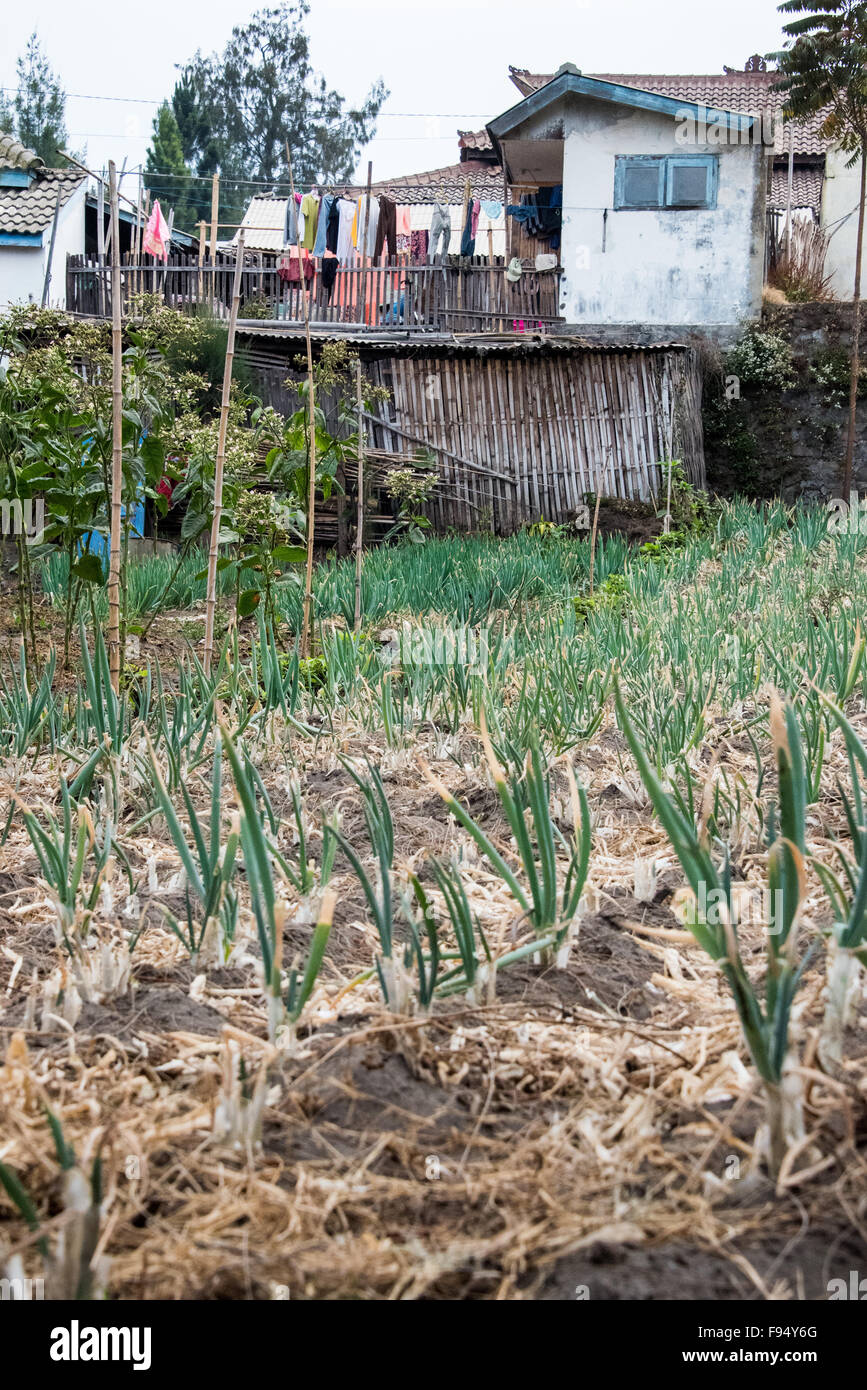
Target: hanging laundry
(329,272)
(156,234)
(403,220)
(440,230)
(310,213)
(418,244)
(387,230)
(550,204)
(492,210)
(292,226)
(468,240)
(372,215)
(332,233)
(322,223)
(525,212)
(289,269)
(541,213)
(345,245)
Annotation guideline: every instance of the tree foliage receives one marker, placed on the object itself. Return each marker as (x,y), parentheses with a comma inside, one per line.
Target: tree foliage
(40,105)
(237,110)
(823,67)
(166,172)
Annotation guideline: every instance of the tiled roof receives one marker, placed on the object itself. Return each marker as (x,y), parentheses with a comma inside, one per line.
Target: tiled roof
(729,91)
(29,211)
(14,155)
(486,180)
(474,140)
(806,186)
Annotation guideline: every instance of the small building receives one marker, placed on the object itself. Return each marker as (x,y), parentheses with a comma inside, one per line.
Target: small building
(31,196)
(663,221)
(806,176)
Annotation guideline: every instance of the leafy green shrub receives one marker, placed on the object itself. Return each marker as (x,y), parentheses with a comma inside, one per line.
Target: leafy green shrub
(761,359)
(611,596)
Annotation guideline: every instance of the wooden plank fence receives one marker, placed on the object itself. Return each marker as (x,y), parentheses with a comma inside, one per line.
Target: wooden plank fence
(471,297)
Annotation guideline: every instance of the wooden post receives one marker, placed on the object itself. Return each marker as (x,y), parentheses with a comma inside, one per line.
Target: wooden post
(139,231)
(215,213)
(211,591)
(100,242)
(114,653)
(359,521)
(362,292)
(790,183)
(311,451)
(200,292)
(46,285)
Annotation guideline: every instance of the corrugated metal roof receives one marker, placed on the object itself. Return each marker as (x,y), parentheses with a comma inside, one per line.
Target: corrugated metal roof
(29,211)
(263,224)
(400,339)
(727,91)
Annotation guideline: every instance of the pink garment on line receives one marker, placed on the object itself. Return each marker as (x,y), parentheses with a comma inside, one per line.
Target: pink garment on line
(156,234)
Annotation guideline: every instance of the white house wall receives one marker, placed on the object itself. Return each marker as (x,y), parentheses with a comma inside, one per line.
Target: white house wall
(840,194)
(676,267)
(22,268)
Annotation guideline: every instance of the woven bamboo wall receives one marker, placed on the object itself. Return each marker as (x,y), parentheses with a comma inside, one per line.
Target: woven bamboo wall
(524,436)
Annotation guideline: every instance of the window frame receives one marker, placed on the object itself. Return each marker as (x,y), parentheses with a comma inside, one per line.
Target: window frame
(666,164)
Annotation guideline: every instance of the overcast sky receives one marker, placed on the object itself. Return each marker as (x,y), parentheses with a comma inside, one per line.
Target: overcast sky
(445,62)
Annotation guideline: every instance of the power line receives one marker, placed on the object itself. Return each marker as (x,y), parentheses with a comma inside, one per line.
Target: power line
(402,115)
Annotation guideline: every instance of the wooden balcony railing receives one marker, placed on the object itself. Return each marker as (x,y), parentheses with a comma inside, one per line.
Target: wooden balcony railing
(472,297)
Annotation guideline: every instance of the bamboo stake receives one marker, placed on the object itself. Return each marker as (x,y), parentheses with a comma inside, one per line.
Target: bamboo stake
(593,536)
(200,291)
(359,523)
(362,311)
(114,655)
(215,213)
(311,461)
(100,242)
(137,236)
(47,282)
(211,592)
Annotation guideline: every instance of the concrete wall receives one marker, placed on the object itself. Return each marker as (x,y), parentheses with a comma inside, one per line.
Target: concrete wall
(685,267)
(840,194)
(22,269)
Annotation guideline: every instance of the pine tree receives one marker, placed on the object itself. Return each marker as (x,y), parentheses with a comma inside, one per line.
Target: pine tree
(166,173)
(7,116)
(40,105)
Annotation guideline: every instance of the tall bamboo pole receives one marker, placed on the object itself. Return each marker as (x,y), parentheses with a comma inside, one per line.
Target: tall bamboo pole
(211,592)
(362,294)
(114,654)
(849,460)
(100,242)
(200,291)
(215,213)
(311,460)
(359,521)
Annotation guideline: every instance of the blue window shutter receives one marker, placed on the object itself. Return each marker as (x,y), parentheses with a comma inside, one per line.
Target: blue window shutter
(639,181)
(691,181)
